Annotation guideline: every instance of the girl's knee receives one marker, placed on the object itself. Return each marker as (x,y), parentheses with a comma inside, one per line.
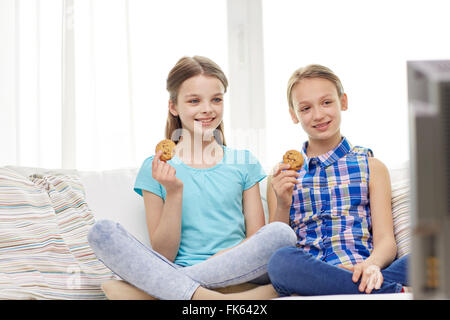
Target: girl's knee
(288,261)
(100,232)
(282,233)
(280,264)
(280,259)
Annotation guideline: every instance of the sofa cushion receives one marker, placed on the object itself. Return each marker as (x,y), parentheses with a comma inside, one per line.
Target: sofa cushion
(111,196)
(401,216)
(44,252)
(400,189)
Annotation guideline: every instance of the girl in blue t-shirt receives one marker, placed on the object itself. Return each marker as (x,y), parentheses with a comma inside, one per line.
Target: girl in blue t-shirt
(203,208)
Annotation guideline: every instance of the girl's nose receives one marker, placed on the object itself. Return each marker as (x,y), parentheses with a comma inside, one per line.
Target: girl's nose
(206,107)
(317,113)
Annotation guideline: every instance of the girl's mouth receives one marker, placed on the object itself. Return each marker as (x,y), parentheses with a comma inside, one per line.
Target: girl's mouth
(322,126)
(205,121)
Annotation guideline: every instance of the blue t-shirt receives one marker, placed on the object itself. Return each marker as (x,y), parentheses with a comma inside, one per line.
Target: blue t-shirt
(212,216)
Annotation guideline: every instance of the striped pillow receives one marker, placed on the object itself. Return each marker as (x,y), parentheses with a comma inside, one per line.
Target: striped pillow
(44,253)
(401,216)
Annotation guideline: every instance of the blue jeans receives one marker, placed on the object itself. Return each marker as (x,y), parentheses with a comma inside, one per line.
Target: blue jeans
(151,272)
(294,271)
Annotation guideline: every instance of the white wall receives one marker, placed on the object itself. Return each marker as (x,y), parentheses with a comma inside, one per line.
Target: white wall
(367,45)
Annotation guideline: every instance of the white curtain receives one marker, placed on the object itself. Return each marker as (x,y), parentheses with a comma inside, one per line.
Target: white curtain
(114,73)
(30,82)
(124,51)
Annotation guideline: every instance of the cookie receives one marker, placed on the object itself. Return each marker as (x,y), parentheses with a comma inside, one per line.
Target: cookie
(294,158)
(168,148)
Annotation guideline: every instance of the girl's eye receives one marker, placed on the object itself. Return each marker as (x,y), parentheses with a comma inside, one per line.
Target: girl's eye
(328,102)
(304,109)
(217,100)
(194,101)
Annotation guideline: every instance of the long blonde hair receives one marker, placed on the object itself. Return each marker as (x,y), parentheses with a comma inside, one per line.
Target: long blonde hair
(185,68)
(312,71)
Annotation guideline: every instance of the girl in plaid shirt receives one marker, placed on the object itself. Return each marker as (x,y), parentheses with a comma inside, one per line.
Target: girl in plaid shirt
(345,239)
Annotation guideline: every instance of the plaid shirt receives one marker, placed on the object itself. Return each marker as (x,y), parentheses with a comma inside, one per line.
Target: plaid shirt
(330,212)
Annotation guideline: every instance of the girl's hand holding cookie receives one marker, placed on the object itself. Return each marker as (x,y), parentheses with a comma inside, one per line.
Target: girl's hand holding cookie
(164,173)
(283,183)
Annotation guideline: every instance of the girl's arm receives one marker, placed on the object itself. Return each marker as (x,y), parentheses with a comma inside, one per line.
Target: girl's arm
(274,214)
(384,245)
(164,218)
(253,210)
(279,192)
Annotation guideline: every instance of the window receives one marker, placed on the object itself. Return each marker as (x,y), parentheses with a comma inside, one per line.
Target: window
(124,51)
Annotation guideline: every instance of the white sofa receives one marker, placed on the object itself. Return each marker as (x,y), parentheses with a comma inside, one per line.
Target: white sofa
(108,195)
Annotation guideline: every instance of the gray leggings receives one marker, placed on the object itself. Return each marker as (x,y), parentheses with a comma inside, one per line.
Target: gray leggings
(151,272)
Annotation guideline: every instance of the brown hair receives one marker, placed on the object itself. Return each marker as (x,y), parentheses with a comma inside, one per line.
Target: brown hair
(312,71)
(185,68)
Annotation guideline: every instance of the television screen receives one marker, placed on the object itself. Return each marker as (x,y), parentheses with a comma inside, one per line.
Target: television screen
(429,109)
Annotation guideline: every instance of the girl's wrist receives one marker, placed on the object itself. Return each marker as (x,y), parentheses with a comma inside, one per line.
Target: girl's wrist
(175,192)
(372,260)
(382,256)
(283,207)
(282,213)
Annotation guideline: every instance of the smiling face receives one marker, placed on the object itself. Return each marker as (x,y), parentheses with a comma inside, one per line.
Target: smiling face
(199,104)
(317,106)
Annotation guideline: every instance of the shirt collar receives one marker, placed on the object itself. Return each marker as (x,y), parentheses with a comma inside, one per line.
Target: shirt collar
(327,159)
